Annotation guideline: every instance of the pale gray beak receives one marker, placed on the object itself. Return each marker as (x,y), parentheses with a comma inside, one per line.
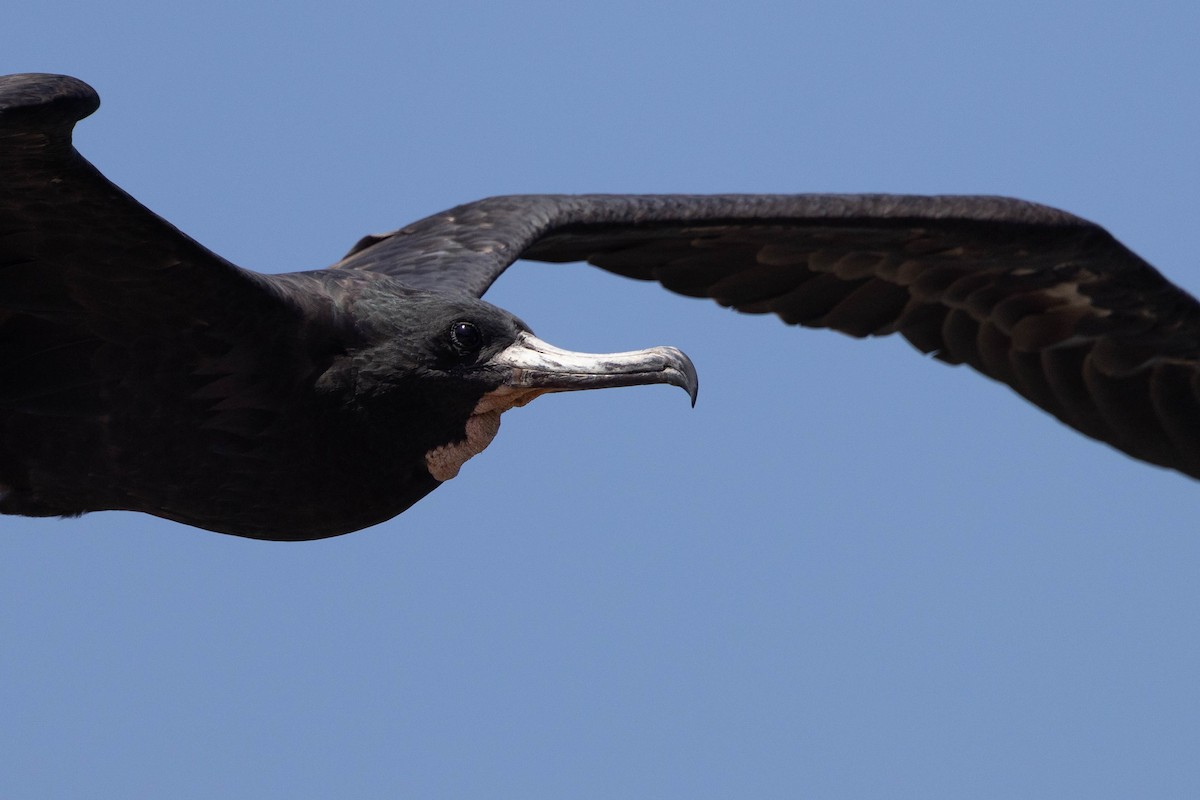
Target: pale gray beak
(542,367)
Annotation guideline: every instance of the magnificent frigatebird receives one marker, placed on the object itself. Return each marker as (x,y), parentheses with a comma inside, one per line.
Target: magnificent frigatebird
(143,372)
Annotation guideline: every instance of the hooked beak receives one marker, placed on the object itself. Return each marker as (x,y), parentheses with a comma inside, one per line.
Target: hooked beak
(537,367)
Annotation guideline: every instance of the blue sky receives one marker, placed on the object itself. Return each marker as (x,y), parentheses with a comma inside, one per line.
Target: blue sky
(850,571)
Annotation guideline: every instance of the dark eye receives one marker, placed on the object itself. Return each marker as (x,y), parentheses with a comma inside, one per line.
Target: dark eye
(466,337)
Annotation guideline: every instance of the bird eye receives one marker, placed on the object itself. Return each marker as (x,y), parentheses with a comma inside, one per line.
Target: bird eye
(466,337)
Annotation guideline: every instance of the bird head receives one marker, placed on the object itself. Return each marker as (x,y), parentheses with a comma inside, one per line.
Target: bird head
(439,371)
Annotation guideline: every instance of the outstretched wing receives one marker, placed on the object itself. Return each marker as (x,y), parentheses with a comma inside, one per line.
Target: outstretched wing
(72,243)
(102,305)
(1036,298)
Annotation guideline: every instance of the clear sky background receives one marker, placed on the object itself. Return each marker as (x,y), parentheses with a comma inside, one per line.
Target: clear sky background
(850,571)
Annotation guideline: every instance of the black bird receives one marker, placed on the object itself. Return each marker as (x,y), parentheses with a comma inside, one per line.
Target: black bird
(143,372)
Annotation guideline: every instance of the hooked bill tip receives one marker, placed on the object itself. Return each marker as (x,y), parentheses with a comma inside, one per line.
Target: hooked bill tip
(689,380)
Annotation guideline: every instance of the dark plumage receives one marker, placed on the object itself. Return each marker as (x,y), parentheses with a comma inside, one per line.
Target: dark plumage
(143,372)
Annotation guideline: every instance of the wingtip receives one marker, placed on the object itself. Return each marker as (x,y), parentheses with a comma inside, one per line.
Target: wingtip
(41,101)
